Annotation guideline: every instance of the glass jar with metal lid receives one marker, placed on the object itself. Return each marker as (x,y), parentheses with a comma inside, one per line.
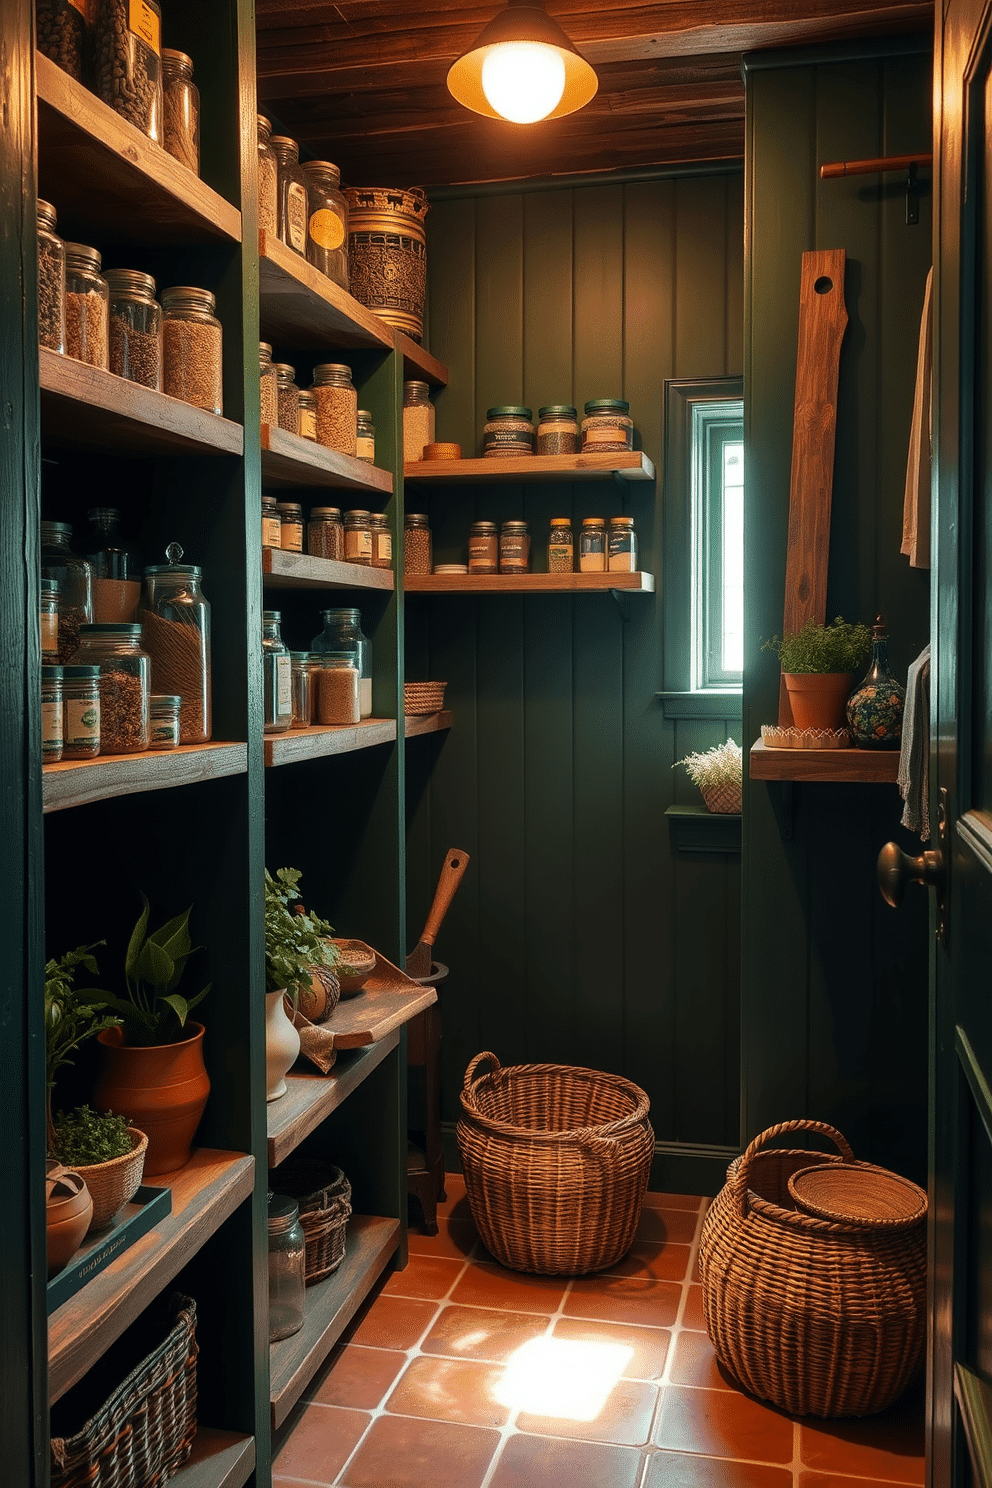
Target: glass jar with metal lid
(277,676)
(268,175)
(180,109)
(271,523)
(327,227)
(358,538)
(561,546)
(607,426)
(74,576)
(291,194)
(508,431)
(163,720)
(557,430)
(514,548)
(592,545)
(287,1268)
(51,279)
(268,385)
(418,556)
(125,683)
(175,620)
(51,714)
(304,669)
(365,440)
(48,618)
(126,61)
(337,407)
(325,533)
(307,414)
(80,712)
(382,540)
(291,531)
(483,548)
(289,397)
(87,299)
(135,328)
(622,545)
(418,419)
(343,635)
(192,346)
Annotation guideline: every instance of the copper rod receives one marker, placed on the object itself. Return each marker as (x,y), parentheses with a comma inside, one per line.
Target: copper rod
(867,167)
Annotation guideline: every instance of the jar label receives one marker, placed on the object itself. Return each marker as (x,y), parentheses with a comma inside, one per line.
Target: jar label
(308,424)
(326,228)
(560,551)
(514,548)
(82,721)
(384,546)
(364,448)
(284,686)
(291,537)
(271,532)
(511,441)
(357,545)
(145,22)
(622,551)
(49,631)
(51,725)
(165,733)
(615,435)
(296,216)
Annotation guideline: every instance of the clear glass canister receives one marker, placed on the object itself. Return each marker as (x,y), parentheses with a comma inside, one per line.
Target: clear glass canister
(622,545)
(125,683)
(277,676)
(271,524)
(358,538)
(561,546)
(307,415)
(87,299)
(327,231)
(418,419)
(175,618)
(51,277)
(289,399)
(508,431)
(116,571)
(127,66)
(418,554)
(291,526)
(180,109)
(339,690)
(337,407)
(343,635)
(287,1268)
(51,714)
(607,426)
(325,533)
(268,175)
(291,195)
(268,385)
(163,720)
(382,540)
(304,669)
(48,619)
(80,712)
(514,548)
(365,441)
(483,548)
(192,347)
(61,27)
(135,328)
(592,545)
(557,430)
(74,576)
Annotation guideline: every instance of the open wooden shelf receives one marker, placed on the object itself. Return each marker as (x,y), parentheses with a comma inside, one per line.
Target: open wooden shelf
(330,1306)
(208,1189)
(634,466)
(220,1459)
(84,407)
(288,460)
(534,583)
(299,306)
(316,742)
(415,724)
(311,1097)
(110,181)
(77,782)
(284,570)
(419,363)
(865,766)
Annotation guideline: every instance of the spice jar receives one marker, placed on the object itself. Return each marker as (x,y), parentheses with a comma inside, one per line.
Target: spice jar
(337,407)
(287,1268)
(327,228)
(508,431)
(557,430)
(291,194)
(277,676)
(180,109)
(382,540)
(74,577)
(417,546)
(163,720)
(592,545)
(61,34)
(135,328)
(622,545)
(561,549)
(357,538)
(86,305)
(418,419)
(116,573)
(339,690)
(51,714)
(125,671)
(304,669)
(192,346)
(607,425)
(127,68)
(514,548)
(307,414)
(325,533)
(175,619)
(51,275)
(271,523)
(268,385)
(365,440)
(289,400)
(343,635)
(268,175)
(291,526)
(483,548)
(80,712)
(48,617)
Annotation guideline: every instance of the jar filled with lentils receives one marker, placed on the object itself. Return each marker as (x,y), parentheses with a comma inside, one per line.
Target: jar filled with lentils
(291,194)
(271,524)
(339,689)
(289,397)
(327,227)
(180,109)
(592,545)
(514,548)
(80,712)
(192,345)
(268,385)
(337,407)
(135,328)
(557,430)
(125,682)
(51,278)
(508,431)
(607,426)
(561,546)
(74,576)
(307,414)
(365,437)
(417,549)
(87,299)
(268,173)
(291,526)
(483,548)
(127,66)
(418,419)
(343,636)
(325,533)
(358,538)
(382,540)
(62,35)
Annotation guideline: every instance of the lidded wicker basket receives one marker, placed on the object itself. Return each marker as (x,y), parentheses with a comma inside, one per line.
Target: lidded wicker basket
(556,1162)
(820,1316)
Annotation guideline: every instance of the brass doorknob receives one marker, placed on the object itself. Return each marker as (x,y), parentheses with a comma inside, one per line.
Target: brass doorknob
(896,869)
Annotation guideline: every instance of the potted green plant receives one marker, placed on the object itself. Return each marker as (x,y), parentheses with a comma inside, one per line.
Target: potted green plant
(107,1153)
(819,663)
(297,952)
(717,772)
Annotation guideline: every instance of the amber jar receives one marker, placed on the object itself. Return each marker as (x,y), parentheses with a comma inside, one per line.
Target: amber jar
(382,540)
(291,530)
(514,548)
(289,397)
(307,415)
(271,523)
(268,177)
(483,548)
(268,385)
(291,195)
(337,407)
(327,226)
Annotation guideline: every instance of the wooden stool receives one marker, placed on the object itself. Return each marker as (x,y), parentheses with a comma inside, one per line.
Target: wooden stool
(425,1165)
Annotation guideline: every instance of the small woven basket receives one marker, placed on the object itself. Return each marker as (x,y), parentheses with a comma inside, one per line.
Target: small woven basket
(556,1162)
(822,1317)
(723,800)
(423,697)
(324,1196)
(113,1184)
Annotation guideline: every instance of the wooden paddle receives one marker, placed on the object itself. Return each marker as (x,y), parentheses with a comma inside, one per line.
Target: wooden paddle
(418,963)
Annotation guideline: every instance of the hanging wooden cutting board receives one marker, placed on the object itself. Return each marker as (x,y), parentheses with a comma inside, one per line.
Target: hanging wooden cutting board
(822,323)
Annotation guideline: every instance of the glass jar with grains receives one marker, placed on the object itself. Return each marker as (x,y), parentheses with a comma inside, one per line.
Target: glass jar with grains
(116,570)
(622,545)
(561,547)
(126,65)
(418,557)
(268,174)
(87,299)
(192,347)
(163,720)
(307,414)
(483,548)
(418,419)
(291,532)
(339,689)
(74,576)
(271,524)
(80,712)
(124,684)
(268,380)
(592,545)
(135,328)
(175,619)
(291,194)
(514,548)
(382,540)
(343,635)
(51,714)
(337,407)
(62,35)
(48,620)
(325,533)
(607,426)
(358,538)
(365,441)
(289,397)
(277,676)
(557,430)
(327,228)
(180,109)
(51,278)
(508,431)
(287,1255)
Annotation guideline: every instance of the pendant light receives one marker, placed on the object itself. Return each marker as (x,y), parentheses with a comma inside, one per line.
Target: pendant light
(522,68)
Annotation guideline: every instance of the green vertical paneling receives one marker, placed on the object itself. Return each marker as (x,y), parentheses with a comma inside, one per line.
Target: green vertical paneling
(734,282)
(452,316)
(700,277)
(547,305)
(598,293)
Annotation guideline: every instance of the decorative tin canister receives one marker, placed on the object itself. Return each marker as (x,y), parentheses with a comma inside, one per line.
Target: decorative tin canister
(387,253)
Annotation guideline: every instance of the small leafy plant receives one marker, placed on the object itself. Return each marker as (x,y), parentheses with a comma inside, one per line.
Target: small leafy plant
(72,1015)
(83,1137)
(840,647)
(295,943)
(153,1011)
(721,765)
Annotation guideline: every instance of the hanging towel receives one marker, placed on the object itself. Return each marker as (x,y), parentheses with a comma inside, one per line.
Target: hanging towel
(916,503)
(914,761)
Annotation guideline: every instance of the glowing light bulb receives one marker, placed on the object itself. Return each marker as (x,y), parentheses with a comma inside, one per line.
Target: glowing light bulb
(523,80)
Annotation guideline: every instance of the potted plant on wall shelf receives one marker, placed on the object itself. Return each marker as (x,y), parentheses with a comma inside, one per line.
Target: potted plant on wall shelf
(296,952)
(718,773)
(819,663)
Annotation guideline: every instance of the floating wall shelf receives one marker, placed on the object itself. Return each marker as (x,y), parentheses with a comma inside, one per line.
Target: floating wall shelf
(865,766)
(288,460)
(635,466)
(535,583)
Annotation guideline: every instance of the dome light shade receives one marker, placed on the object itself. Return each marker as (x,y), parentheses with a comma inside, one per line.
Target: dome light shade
(480,81)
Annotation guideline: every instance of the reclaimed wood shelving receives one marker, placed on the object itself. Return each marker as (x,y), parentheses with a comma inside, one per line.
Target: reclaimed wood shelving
(219,1459)
(534,583)
(297,745)
(310,1097)
(288,460)
(635,466)
(855,766)
(299,306)
(78,782)
(284,570)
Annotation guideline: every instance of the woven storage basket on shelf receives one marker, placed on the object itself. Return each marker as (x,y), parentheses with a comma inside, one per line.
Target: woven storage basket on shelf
(821,1317)
(723,800)
(143,1433)
(556,1162)
(423,697)
(324,1196)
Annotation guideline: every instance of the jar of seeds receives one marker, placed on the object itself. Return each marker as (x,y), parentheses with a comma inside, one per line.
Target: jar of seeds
(271,524)
(508,431)
(48,606)
(607,426)
(418,419)
(291,528)
(192,347)
(343,635)
(622,545)
(80,712)
(561,550)
(325,533)
(327,231)
(51,714)
(135,328)
(307,414)
(180,109)
(365,440)
(557,430)
(418,557)
(514,548)
(163,720)
(86,306)
(124,685)
(382,540)
(357,538)
(277,676)
(175,618)
(592,545)
(483,548)
(337,407)
(127,68)
(305,669)
(61,28)
(291,195)
(74,576)
(289,398)
(268,173)
(51,274)
(268,385)
(338,691)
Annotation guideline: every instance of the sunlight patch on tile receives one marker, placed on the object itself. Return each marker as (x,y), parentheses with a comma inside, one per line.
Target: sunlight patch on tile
(567,1379)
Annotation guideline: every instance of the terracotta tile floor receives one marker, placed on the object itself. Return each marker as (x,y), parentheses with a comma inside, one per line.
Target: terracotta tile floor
(417,1395)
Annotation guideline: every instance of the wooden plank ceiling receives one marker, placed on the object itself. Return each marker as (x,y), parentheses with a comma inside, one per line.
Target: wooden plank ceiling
(362,82)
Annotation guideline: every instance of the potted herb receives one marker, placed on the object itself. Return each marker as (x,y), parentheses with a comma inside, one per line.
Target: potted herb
(717,772)
(819,663)
(297,953)
(107,1153)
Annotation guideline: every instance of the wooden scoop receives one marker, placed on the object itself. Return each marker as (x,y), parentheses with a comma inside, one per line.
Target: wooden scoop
(418,963)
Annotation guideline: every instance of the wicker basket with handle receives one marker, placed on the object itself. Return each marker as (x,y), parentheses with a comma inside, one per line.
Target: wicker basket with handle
(822,1317)
(324,1196)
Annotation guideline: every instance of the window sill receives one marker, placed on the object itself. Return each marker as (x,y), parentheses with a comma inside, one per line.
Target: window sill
(702,704)
(694,829)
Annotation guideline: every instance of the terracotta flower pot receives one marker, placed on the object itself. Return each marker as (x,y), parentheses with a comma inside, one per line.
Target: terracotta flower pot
(161,1089)
(114,1183)
(819,699)
(69,1210)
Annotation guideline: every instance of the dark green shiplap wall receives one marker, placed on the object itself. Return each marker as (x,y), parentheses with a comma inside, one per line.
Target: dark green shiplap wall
(580,934)
(834,985)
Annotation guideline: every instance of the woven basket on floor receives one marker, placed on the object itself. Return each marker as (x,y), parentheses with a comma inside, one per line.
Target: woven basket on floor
(143,1433)
(324,1196)
(556,1162)
(723,799)
(423,697)
(821,1317)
